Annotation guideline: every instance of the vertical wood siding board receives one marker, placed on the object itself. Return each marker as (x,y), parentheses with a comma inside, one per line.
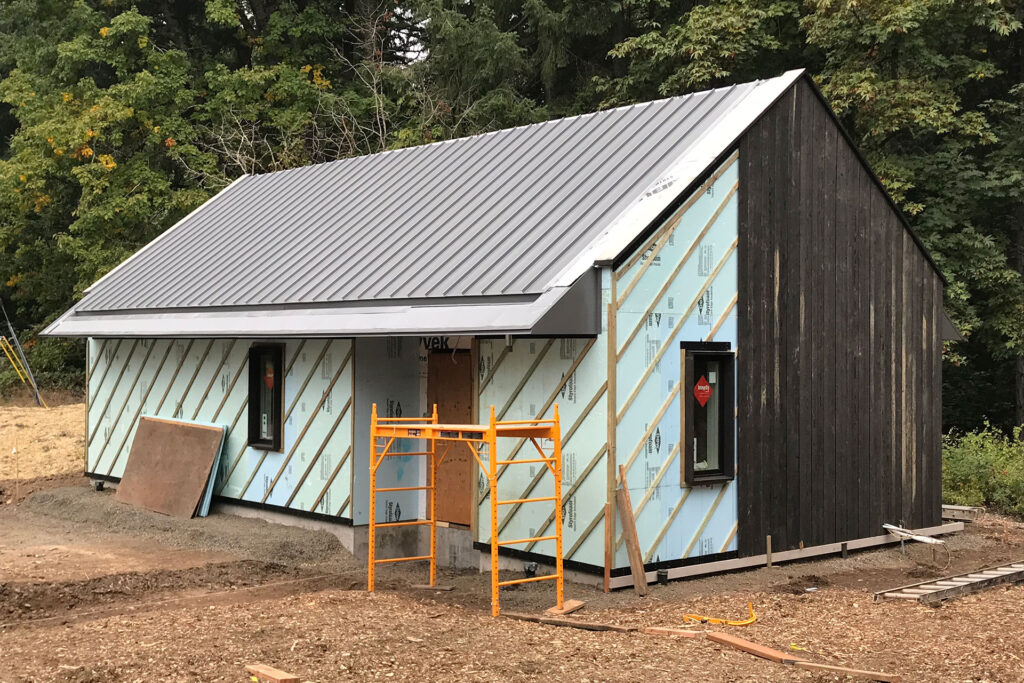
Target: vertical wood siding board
(777,220)
(225,354)
(835,145)
(670,224)
(106,367)
(113,389)
(313,414)
(580,357)
(330,480)
(128,395)
(706,520)
(923,423)
(886,400)
(751,224)
(791,287)
(764,228)
(124,403)
(568,494)
(876,346)
(765,321)
(906,489)
(743,306)
(542,470)
(840,390)
(319,452)
(670,338)
(352,425)
(674,273)
(896,256)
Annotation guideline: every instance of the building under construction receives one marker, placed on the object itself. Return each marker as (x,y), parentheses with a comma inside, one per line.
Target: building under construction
(714,289)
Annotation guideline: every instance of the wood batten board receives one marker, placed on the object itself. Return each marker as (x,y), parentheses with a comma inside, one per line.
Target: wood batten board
(838,315)
(526,385)
(207,379)
(682,287)
(759,560)
(169,466)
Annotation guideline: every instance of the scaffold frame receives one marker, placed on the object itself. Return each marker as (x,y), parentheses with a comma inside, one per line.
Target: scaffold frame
(482,441)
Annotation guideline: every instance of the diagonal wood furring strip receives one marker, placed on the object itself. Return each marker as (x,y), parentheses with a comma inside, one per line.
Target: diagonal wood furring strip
(670,337)
(675,273)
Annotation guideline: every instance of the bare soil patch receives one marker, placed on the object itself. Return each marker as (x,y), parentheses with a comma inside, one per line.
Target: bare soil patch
(120,594)
(47,441)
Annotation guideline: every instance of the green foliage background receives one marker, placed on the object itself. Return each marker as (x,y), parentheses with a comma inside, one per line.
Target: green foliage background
(118,117)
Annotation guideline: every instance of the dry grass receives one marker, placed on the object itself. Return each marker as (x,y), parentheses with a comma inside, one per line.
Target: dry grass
(49,441)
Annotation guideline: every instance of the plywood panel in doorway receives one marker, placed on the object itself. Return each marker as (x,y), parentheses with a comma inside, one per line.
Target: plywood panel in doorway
(450,386)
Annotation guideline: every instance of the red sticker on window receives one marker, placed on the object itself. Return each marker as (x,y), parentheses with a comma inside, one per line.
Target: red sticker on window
(268,378)
(702,391)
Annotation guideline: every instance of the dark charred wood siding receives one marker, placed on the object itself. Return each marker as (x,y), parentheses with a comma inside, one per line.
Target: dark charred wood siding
(839,358)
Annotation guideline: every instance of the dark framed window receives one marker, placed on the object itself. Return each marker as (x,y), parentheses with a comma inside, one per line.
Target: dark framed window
(708,412)
(266,396)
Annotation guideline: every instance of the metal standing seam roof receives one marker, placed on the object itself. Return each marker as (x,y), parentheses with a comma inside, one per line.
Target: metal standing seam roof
(502,214)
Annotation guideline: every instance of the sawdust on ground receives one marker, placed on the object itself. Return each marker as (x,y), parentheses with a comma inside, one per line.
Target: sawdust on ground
(48,441)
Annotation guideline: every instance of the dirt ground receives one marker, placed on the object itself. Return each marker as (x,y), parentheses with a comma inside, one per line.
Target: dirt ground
(39,443)
(93,590)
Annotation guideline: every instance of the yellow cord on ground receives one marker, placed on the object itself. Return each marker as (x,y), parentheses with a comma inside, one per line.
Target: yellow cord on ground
(700,619)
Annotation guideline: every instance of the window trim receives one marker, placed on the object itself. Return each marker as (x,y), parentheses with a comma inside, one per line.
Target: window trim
(275,444)
(689,351)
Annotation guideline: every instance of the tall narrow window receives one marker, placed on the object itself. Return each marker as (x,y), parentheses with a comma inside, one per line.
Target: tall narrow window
(266,391)
(708,408)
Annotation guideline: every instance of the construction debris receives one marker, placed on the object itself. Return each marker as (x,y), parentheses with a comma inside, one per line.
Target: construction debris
(571,623)
(851,673)
(665,631)
(268,674)
(935,591)
(908,535)
(753,648)
(963,513)
(568,607)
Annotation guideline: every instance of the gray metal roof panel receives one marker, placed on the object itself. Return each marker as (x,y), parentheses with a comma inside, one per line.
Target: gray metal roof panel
(495,214)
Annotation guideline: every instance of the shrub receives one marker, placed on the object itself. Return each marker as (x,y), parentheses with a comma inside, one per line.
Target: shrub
(984,467)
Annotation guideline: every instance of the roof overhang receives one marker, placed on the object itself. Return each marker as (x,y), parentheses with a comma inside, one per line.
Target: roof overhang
(560,311)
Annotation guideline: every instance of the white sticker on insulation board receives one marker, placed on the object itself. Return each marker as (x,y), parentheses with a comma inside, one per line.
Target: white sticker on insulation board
(705,308)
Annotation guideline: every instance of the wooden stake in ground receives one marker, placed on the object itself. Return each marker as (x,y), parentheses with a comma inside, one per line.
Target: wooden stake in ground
(636,560)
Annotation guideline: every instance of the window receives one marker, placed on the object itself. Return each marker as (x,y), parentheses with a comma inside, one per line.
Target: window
(708,410)
(266,392)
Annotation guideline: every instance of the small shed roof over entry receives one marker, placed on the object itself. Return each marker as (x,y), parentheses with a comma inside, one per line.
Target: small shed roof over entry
(486,234)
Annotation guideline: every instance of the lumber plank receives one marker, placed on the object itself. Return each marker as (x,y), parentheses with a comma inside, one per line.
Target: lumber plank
(268,674)
(753,648)
(666,631)
(570,623)
(636,561)
(568,607)
(852,673)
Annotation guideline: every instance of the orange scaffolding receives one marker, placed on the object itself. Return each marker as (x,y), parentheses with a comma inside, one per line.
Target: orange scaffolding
(482,441)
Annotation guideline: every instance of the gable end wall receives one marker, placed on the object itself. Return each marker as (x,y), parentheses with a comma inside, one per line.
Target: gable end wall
(839,362)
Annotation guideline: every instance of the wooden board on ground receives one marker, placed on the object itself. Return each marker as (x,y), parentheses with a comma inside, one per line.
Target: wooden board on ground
(851,673)
(636,560)
(568,607)
(571,623)
(964,513)
(268,674)
(169,465)
(753,648)
(667,631)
